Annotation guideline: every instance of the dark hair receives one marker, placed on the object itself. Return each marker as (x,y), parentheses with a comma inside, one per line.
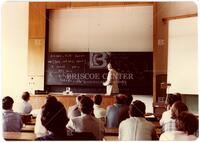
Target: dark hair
(54,117)
(25,96)
(120,99)
(177,108)
(51,99)
(97,99)
(129,99)
(7,103)
(86,105)
(172,98)
(80,97)
(137,109)
(187,122)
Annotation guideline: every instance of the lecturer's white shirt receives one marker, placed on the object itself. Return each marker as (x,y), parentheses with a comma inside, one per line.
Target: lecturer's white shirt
(112,82)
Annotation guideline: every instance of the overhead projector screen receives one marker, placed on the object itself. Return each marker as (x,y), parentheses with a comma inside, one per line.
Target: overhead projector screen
(183,56)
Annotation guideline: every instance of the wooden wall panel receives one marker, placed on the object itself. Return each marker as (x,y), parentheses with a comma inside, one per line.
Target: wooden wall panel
(111,4)
(105,4)
(38,101)
(138,3)
(57,5)
(83,4)
(154,49)
(36,57)
(37,19)
(160,91)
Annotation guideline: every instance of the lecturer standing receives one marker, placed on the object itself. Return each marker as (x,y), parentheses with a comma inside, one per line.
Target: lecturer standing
(112,81)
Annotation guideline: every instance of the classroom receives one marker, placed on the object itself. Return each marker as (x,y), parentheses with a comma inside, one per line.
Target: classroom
(107,66)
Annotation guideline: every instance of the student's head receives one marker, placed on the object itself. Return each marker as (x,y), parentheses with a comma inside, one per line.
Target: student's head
(129,99)
(26,96)
(177,108)
(78,98)
(7,103)
(97,99)
(50,99)
(172,98)
(137,109)
(120,99)
(86,105)
(54,117)
(187,123)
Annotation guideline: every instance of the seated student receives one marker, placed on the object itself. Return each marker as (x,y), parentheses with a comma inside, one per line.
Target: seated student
(98,111)
(186,124)
(54,119)
(117,112)
(11,120)
(86,122)
(176,109)
(136,127)
(25,107)
(73,111)
(39,129)
(166,116)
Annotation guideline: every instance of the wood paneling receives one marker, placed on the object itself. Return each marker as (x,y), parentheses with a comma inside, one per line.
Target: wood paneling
(57,5)
(138,3)
(179,17)
(154,49)
(158,109)
(38,100)
(111,4)
(37,19)
(83,4)
(36,56)
(160,91)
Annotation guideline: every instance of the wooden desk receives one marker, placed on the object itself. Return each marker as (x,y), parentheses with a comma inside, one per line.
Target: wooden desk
(19,136)
(28,128)
(111,131)
(37,101)
(32,122)
(158,109)
(110,138)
